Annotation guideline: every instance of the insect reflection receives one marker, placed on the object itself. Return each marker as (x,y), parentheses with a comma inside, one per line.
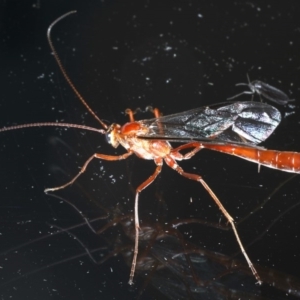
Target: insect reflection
(182,270)
(168,261)
(264,90)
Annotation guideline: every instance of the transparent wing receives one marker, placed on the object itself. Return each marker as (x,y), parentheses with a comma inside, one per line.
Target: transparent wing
(239,122)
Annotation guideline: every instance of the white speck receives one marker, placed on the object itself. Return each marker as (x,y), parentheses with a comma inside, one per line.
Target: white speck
(200,16)
(146,58)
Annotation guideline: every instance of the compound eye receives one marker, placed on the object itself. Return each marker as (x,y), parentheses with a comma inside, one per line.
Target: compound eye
(112,135)
(108,137)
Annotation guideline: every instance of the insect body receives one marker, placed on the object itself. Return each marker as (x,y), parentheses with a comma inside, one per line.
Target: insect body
(234,128)
(265,90)
(230,125)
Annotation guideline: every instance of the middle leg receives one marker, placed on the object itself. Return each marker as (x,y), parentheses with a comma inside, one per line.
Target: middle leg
(159,163)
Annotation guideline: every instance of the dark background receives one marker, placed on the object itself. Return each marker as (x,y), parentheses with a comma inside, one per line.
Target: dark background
(175,56)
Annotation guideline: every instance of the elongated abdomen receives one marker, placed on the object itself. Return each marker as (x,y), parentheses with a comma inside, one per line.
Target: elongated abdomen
(282,160)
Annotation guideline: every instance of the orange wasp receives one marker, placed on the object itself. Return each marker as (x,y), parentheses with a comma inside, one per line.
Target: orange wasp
(234,128)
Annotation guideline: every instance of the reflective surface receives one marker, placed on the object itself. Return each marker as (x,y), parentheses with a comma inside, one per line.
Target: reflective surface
(176,56)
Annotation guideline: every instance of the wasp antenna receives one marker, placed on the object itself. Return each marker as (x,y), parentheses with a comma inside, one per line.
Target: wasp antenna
(62,69)
(53,124)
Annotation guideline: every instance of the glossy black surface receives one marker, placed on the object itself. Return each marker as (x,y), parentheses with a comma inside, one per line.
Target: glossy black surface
(176,55)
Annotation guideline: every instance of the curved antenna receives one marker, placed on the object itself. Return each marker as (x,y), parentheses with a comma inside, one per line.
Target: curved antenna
(245,92)
(249,82)
(62,69)
(53,124)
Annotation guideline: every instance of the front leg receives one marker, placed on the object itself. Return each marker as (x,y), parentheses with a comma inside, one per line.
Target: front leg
(82,170)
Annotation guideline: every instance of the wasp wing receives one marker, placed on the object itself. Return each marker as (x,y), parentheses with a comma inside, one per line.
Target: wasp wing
(239,122)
